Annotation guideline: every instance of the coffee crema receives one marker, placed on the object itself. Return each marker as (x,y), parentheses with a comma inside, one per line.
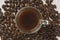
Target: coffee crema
(28,19)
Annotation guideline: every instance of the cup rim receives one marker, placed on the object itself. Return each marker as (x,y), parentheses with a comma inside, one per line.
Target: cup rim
(35,29)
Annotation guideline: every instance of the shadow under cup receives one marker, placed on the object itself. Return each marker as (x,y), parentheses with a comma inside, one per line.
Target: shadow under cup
(28,20)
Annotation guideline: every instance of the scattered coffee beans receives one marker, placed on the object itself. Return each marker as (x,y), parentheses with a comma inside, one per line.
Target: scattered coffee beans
(9,30)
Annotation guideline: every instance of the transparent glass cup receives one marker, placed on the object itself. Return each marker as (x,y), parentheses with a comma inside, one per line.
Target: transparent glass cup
(30,29)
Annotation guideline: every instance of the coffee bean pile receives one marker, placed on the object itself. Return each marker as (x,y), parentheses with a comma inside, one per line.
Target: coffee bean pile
(9,30)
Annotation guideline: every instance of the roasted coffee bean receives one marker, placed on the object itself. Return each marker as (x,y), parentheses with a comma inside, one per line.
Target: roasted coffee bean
(1,14)
(49,1)
(6,2)
(6,5)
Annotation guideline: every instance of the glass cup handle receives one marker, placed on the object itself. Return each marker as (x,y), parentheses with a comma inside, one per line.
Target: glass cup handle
(45,22)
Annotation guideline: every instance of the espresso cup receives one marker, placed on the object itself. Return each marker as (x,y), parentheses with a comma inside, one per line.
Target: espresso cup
(28,20)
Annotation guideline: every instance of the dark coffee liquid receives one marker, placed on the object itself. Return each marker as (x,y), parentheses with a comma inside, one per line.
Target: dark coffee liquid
(28,19)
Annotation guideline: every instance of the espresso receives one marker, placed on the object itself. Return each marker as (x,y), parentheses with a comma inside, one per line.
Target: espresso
(28,19)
